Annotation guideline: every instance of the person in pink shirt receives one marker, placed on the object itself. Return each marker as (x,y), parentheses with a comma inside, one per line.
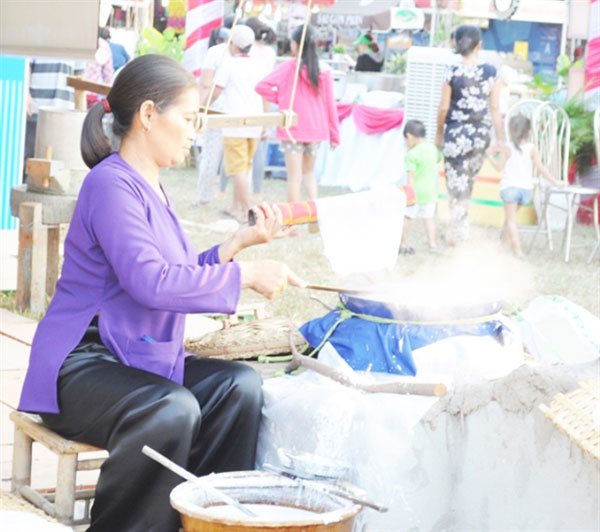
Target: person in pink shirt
(314,103)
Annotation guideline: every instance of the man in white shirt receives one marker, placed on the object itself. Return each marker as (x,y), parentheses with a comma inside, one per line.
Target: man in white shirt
(235,81)
(211,140)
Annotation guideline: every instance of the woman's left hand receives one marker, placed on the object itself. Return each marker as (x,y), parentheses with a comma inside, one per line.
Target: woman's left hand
(268,226)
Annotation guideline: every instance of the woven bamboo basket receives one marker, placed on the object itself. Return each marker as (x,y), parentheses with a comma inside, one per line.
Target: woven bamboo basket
(577,414)
(268,336)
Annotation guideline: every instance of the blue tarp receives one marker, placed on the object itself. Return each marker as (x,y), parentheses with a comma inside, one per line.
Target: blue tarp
(386,347)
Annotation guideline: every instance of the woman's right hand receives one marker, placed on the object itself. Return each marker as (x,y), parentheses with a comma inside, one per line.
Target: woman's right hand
(268,277)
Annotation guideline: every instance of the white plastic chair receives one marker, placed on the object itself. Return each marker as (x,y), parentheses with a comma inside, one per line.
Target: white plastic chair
(552,129)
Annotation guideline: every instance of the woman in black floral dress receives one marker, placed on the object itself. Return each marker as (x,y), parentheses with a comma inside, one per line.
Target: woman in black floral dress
(468,109)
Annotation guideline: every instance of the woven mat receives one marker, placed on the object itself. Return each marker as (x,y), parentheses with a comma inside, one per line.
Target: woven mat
(10,501)
(247,340)
(577,414)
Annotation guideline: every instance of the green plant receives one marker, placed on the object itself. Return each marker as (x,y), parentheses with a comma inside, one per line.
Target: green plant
(339,49)
(168,43)
(548,82)
(395,64)
(581,149)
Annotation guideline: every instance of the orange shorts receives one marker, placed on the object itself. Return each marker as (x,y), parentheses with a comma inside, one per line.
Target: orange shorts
(238,154)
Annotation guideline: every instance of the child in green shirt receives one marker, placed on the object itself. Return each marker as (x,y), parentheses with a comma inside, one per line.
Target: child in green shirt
(422,161)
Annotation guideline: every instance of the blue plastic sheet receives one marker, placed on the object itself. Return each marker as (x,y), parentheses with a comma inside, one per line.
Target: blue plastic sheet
(386,347)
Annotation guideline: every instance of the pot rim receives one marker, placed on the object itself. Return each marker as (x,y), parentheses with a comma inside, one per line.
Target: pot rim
(346,511)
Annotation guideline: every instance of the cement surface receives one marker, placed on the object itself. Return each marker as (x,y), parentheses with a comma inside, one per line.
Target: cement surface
(483,458)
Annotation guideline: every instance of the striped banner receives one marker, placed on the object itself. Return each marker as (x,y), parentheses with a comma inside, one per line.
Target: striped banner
(202,17)
(12,131)
(592,62)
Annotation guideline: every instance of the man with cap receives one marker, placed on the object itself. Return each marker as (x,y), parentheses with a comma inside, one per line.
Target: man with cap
(235,81)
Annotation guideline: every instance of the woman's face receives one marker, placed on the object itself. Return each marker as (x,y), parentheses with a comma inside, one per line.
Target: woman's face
(172,132)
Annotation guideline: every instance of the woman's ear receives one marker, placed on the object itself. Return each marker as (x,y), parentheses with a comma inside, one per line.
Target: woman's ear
(146,113)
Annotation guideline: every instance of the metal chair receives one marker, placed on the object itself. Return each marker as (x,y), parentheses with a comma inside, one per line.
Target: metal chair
(553,132)
(522,107)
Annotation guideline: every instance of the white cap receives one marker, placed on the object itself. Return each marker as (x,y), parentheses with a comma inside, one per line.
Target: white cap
(242,36)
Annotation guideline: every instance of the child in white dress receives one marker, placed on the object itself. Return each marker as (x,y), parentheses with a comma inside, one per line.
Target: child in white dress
(516,162)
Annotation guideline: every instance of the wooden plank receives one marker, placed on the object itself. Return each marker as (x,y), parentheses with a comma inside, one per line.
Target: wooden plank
(59,183)
(42,168)
(86,85)
(38,500)
(53,241)
(64,496)
(80,100)
(90,464)
(44,435)
(264,120)
(21,462)
(31,275)
(215,120)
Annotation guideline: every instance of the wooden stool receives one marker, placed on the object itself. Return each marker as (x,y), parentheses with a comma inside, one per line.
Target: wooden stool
(61,503)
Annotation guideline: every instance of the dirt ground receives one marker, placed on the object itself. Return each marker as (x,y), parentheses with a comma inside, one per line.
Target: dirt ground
(539,273)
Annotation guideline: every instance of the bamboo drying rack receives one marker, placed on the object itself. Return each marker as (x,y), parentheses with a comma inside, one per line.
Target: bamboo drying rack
(577,414)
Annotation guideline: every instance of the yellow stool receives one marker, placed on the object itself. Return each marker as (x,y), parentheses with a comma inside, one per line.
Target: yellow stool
(61,503)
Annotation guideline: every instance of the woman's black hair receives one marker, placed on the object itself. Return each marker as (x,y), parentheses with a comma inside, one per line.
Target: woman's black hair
(309,53)
(217,36)
(519,127)
(373,46)
(104,33)
(466,38)
(415,128)
(149,77)
(228,21)
(262,32)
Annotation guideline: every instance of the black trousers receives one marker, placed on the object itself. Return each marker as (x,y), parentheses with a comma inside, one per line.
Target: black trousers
(210,424)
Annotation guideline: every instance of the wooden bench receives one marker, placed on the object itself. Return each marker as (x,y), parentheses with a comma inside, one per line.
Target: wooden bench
(61,503)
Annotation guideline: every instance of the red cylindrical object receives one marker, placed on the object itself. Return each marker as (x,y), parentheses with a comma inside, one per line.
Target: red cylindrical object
(303,212)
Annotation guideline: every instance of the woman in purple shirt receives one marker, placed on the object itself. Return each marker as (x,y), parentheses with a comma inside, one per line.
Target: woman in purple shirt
(107,363)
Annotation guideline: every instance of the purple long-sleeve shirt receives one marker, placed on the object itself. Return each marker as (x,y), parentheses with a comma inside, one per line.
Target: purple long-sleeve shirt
(126,258)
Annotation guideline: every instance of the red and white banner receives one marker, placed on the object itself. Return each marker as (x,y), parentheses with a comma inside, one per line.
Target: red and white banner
(201,18)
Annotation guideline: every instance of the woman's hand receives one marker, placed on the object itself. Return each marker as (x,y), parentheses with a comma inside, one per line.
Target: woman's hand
(268,277)
(333,145)
(268,226)
(438,141)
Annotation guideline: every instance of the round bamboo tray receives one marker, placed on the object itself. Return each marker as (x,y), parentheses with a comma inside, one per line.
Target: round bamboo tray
(268,336)
(577,415)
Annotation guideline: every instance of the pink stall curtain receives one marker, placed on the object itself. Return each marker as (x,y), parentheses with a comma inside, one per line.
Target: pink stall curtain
(371,120)
(592,63)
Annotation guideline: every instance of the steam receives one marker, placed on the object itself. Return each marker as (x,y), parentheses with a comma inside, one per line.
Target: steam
(474,274)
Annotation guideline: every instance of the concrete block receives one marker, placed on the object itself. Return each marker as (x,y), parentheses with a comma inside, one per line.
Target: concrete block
(56,209)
